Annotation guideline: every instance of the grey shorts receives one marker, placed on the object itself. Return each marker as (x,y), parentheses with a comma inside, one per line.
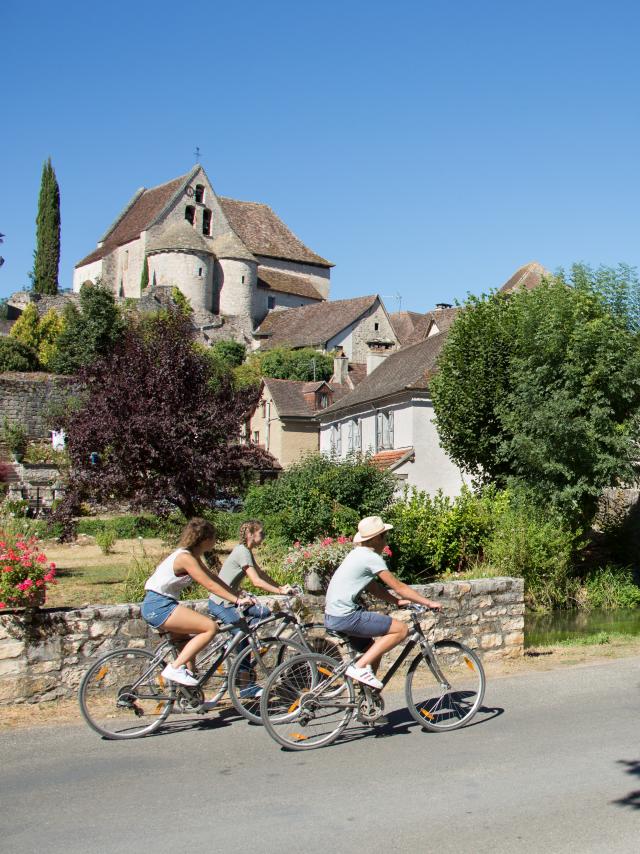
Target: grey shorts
(359,624)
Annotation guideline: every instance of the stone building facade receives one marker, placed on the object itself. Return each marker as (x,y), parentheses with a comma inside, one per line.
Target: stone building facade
(228,257)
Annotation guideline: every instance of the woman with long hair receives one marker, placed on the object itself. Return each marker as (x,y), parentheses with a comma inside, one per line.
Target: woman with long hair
(161,608)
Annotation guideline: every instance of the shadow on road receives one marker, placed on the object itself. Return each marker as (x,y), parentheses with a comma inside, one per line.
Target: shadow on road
(632,799)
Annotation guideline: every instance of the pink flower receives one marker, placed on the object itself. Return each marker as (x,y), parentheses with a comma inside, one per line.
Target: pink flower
(49,576)
(342,540)
(41,558)
(52,566)
(7,569)
(306,554)
(387,551)
(296,545)
(39,582)
(24,585)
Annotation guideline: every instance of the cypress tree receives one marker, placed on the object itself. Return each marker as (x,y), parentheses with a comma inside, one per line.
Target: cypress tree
(144,278)
(46,258)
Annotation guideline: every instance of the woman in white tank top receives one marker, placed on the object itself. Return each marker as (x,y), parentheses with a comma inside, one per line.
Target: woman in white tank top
(161,608)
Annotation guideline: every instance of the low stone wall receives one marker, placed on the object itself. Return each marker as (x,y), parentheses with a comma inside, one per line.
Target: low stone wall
(45,658)
(26,398)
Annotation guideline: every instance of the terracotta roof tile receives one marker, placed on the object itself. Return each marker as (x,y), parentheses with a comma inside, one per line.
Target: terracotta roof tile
(526,278)
(408,368)
(264,233)
(403,323)
(287,283)
(137,216)
(312,325)
(391,459)
(288,396)
(443,318)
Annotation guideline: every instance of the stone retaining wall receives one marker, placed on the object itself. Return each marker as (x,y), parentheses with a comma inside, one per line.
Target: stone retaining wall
(45,659)
(25,398)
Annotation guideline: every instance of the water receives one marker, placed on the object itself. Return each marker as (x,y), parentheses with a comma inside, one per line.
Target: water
(546,629)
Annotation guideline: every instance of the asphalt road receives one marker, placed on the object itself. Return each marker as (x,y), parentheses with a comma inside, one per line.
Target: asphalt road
(552,765)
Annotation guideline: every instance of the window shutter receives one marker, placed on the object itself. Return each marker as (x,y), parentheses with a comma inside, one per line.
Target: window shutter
(358,442)
(339,441)
(379,438)
(391,443)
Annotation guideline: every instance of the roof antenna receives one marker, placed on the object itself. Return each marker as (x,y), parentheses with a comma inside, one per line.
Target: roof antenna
(397,297)
(197,153)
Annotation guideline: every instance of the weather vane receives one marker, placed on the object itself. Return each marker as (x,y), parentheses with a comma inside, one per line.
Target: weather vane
(197,153)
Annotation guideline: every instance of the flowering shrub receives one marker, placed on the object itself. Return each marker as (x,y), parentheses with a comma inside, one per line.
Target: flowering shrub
(24,573)
(321,556)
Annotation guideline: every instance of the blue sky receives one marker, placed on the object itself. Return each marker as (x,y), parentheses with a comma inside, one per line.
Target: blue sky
(426,148)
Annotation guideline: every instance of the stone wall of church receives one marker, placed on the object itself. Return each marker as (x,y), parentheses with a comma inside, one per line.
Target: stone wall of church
(90,272)
(190,271)
(237,286)
(26,398)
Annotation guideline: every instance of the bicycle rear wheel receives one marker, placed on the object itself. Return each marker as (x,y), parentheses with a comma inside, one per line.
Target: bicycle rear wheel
(250,670)
(304,704)
(124,695)
(318,641)
(438,706)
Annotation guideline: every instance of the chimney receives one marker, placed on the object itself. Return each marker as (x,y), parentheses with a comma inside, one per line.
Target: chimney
(442,305)
(376,356)
(340,370)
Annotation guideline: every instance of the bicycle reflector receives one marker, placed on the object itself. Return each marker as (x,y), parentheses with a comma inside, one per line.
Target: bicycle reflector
(469,663)
(427,714)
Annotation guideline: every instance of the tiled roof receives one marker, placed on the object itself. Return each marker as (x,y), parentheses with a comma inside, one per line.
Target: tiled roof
(312,325)
(287,283)
(357,372)
(288,396)
(178,236)
(526,278)
(403,323)
(409,368)
(391,459)
(264,233)
(137,216)
(442,317)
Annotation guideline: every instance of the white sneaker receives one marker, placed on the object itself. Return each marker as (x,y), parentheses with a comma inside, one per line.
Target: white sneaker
(363,674)
(179,674)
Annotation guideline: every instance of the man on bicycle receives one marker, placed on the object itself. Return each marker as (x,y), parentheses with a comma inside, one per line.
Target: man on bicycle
(362,569)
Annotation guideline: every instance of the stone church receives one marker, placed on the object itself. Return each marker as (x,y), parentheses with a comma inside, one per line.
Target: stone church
(230,258)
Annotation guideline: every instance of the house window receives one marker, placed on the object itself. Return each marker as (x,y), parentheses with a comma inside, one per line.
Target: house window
(376,326)
(271,302)
(263,408)
(256,437)
(323,401)
(336,440)
(190,214)
(199,194)
(126,259)
(206,221)
(384,431)
(354,436)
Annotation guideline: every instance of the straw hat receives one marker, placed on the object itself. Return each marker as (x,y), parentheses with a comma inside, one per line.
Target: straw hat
(370,527)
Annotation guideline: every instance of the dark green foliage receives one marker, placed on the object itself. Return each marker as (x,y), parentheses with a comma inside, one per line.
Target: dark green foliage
(144,278)
(46,258)
(320,496)
(16,356)
(304,364)
(544,387)
(231,352)
(88,333)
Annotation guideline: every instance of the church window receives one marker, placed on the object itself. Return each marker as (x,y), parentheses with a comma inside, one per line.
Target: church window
(126,259)
(206,221)
(376,326)
(190,214)
(271,302)
(200,271)
(243,280)
(199,194)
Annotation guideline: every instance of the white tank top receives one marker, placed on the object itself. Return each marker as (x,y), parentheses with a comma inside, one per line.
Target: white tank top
(165,581)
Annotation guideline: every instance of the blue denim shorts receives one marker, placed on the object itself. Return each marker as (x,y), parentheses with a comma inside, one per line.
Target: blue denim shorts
(156,608)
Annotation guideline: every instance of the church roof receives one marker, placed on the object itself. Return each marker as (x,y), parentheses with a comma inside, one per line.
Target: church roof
(178,237)
(312,325)
(410,368)
(141,211)
(264,233)
(526,278)
(287,283)
(229,245)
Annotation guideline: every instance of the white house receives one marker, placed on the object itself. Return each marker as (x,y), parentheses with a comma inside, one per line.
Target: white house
(390,415)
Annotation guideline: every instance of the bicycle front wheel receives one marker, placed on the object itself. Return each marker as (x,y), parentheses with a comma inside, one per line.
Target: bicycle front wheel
(305,703)
(445,704)
(251,669)
(124,695)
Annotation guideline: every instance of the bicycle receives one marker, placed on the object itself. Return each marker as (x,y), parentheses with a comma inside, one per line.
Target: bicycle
(309,700)
(124,695)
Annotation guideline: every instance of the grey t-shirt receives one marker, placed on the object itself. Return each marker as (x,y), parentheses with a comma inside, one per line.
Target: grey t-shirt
(359,568)
(232,570)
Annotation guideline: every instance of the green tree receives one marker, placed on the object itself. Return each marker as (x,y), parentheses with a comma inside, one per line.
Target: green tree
(144,278)
(49,331)
(16,356)
(543,387)
(89,332)
(26,328)
(283,363)
(46,258)
(232,352)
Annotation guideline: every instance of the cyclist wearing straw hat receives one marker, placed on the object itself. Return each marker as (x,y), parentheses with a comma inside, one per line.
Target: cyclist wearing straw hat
(362,568)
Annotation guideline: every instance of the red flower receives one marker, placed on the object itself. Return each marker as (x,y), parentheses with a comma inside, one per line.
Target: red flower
(387,551)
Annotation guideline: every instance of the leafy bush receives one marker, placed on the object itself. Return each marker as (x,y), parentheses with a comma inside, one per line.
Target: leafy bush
(610,587)
(322,557)
(16,356)
(435,534)
(321,496)
(106,539)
